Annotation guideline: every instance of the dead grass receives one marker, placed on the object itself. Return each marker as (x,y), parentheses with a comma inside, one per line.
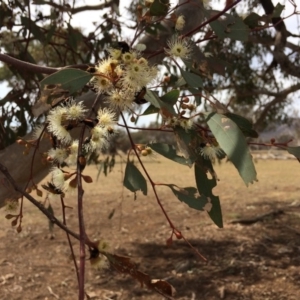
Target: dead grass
(260,261)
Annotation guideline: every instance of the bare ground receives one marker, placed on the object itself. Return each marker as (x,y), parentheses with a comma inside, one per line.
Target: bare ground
(260,261)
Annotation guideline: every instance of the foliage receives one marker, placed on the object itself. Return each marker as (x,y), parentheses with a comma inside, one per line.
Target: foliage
(195,129)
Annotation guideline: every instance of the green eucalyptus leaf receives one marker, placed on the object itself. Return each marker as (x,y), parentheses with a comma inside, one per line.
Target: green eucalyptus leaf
(134,179)
(205,187)
(185,143)
(197,95)
(204,184)
(74,37)
(180,82)
(159,8)
(50,34)
(154,99)
(252,20)
(244,124)
(231,27)
(33,28)
(192,79)
(151,109)
(71,80)
(294,151)
(189,196)
(277,10)
(232,141)
(171,97)
(215,212)
(169,152)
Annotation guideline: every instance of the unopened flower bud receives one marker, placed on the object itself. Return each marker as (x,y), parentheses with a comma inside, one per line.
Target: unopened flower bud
(184,106)
(144,152)
(21,142)
(167,79)
(178,235)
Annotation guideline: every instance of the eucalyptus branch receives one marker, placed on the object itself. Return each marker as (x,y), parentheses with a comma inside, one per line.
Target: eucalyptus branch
(63,207)
(23,65)
(75,10)
(215,17)
(38,204)
(175,231)
(146,172)
(278,98)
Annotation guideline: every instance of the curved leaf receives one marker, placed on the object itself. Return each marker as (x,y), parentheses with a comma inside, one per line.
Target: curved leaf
(205,186)
(171,97)
(294,151)
(232,141)
(244,124)
(72,80)
(192,79)
(155,100)
(133,179)
(189,197)
(151,109)
(159,8)
(232,27)
(169,152)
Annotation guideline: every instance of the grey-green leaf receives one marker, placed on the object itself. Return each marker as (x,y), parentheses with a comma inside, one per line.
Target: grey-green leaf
(205,186)
(231,27)
(192,79)
(244,124)
(134,179)
(188,196)
(252,20)
(72,80)
(171,97)
(169,152)
(154,99)
(159,8)
(151,109)
(277,10)
(232,141)
(294,151)
(216,212)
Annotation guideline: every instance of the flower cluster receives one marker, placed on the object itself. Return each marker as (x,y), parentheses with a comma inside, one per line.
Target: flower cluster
(185,123)
(121,76)
(62,119)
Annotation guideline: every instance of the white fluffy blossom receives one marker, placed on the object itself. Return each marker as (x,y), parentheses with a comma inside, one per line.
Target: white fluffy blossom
(179,47)
(58,155)
(57,122)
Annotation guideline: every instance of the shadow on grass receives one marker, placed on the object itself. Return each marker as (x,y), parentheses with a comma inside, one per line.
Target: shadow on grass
(246,264)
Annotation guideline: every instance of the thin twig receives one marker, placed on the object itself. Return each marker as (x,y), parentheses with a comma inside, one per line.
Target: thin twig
(19,64)
(68,237)
(153,184)
(39,205)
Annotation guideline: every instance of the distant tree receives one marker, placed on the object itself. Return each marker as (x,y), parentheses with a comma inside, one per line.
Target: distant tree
(213,78)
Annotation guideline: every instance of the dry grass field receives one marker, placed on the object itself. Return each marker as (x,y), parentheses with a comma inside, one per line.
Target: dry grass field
(257,261)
